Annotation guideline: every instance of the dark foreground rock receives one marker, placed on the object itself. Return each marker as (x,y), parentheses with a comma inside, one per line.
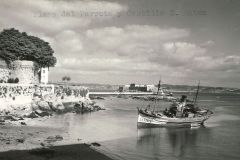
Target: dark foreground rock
(20,140)
(67,152)
(96,144)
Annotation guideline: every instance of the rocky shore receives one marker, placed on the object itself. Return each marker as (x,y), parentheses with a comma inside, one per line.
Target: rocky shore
(47,106)
(22,127)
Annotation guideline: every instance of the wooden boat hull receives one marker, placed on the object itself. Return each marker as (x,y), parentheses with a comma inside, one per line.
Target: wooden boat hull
(148,121)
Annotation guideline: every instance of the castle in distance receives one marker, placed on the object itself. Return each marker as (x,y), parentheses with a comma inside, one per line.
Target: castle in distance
(22,72)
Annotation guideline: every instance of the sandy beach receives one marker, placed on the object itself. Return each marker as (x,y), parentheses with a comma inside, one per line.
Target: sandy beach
(41,141)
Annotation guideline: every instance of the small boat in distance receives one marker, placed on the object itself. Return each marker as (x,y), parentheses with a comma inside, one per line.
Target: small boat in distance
(179,114)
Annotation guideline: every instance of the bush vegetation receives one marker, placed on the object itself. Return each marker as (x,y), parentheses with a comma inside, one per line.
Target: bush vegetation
(15,45)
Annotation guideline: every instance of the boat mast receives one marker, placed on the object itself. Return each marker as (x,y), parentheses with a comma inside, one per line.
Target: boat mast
(195,99)
(159,85)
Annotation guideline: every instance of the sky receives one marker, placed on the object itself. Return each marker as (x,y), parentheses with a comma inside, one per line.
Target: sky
(140,41)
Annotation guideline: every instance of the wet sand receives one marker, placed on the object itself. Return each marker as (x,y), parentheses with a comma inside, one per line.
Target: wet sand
(23,142)
(28,137)
(67,152)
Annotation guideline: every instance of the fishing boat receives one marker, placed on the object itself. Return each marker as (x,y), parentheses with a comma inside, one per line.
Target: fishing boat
(179,114)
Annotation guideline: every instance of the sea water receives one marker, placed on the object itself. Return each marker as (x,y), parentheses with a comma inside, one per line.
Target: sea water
(116,130)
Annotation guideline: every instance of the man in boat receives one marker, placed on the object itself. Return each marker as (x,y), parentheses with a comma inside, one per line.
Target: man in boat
(147,110)
(176,108)
(182,103)
(172,110)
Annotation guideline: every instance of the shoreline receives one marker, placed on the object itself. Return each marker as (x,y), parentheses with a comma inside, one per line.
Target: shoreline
(41,142)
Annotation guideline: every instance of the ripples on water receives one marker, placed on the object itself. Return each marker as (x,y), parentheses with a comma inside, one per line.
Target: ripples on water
(116,129)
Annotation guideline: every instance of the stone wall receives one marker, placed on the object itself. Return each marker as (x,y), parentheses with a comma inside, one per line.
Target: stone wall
(25,71)
(12,95)
(3,63)
(4,75)
(4,71)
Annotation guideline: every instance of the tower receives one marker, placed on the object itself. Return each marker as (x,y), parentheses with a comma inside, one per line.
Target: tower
(24,70)
(44,75)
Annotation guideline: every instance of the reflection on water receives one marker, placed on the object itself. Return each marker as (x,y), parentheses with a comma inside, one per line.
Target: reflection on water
(177,140)
(116,130)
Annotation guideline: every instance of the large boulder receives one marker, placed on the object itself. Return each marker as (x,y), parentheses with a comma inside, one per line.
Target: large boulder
(97,108)
(43,105)
(48,97)
(42,113)
(37,94)
(31,115)
(56,106)
(82,107)
(78,108)
(69,106)
(34,106)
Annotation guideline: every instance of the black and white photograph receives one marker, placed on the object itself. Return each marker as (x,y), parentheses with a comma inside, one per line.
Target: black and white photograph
(119,79)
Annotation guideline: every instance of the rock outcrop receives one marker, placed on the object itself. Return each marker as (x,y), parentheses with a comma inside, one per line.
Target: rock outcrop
(40,101)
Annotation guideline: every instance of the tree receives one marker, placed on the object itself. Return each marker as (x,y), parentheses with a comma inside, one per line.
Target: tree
(16,80)
(66,78)
(15,45)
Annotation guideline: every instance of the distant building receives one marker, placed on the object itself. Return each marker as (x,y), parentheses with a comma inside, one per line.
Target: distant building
(151,88)
(132,87)
(120,89)
(140,87)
